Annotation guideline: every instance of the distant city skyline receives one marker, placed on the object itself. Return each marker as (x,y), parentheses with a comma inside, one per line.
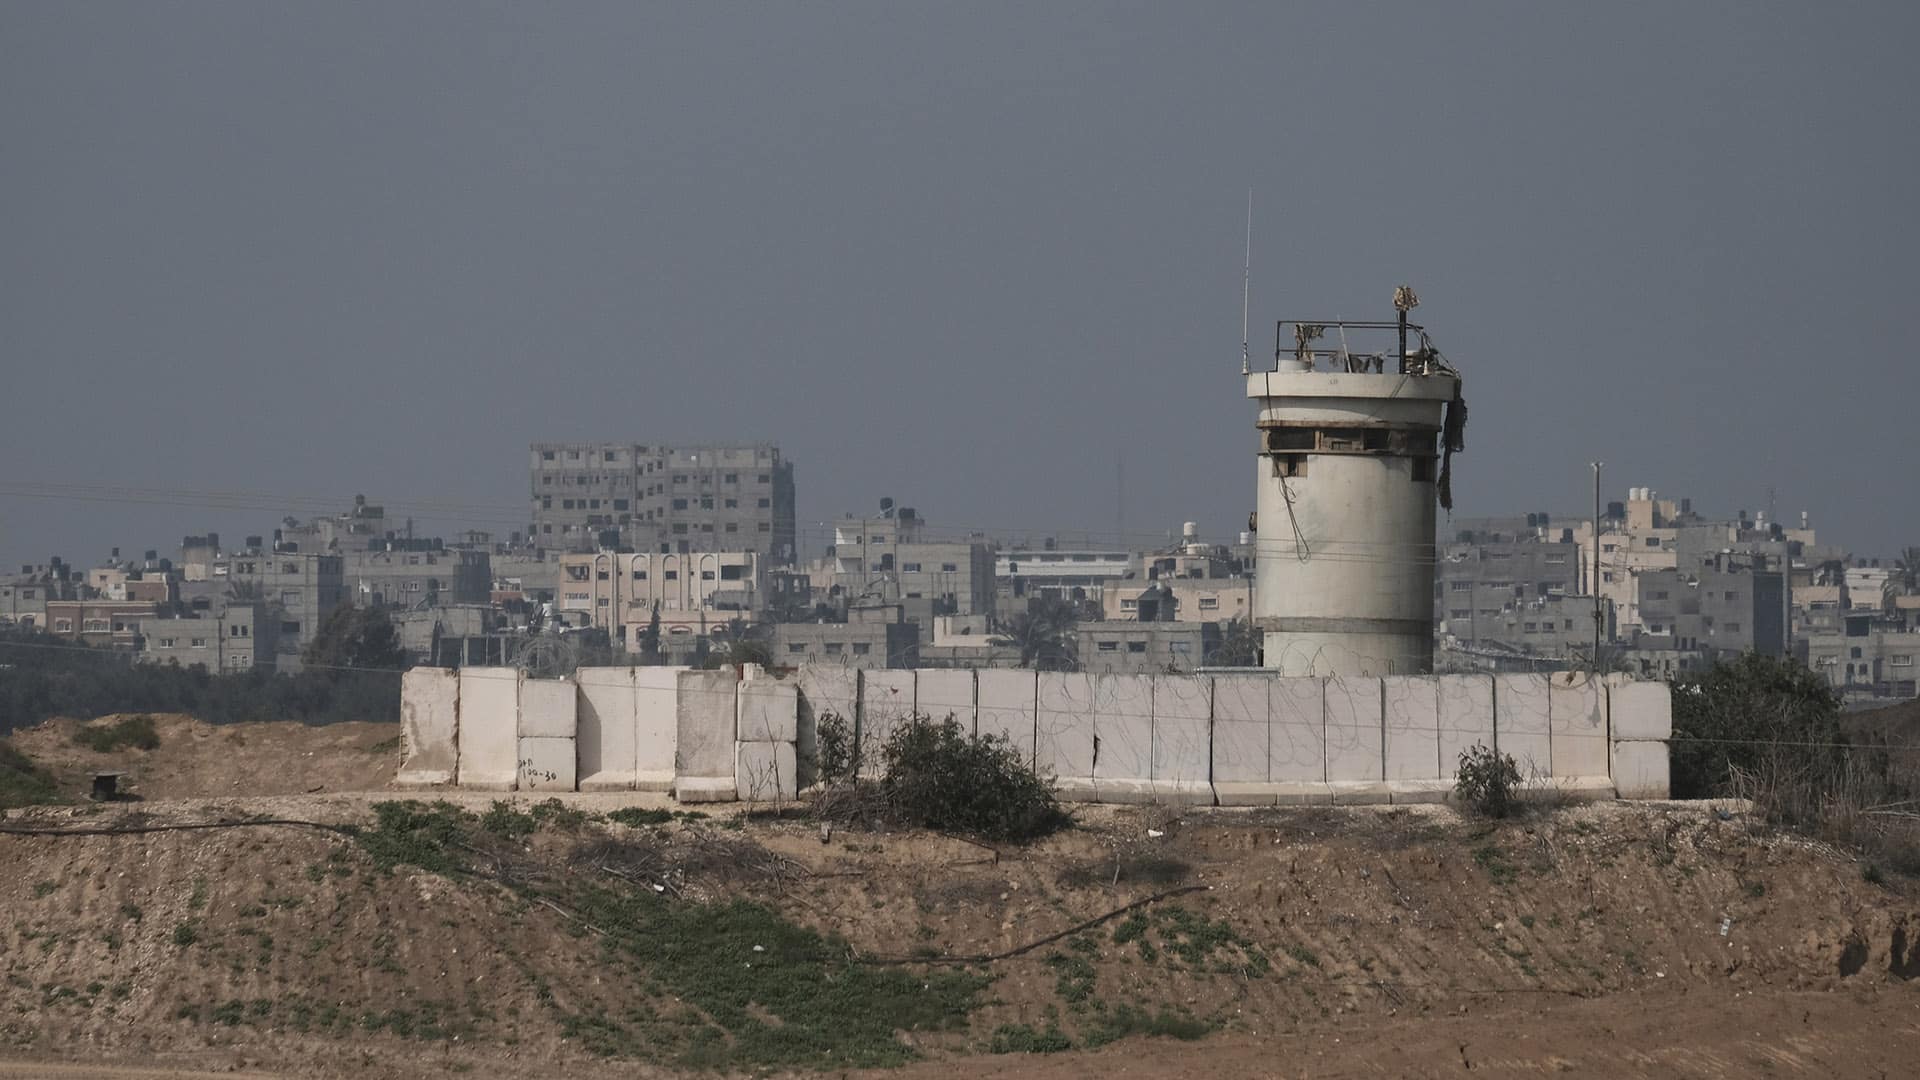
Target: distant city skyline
(976,259)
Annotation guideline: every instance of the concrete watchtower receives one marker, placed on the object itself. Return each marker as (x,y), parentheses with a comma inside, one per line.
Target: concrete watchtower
(1355,449)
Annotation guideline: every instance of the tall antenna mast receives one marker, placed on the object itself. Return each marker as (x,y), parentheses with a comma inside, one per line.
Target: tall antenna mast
(1246,287)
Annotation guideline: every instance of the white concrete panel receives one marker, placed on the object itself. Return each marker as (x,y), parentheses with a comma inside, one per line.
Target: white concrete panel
(1639,710)
(1005,700)
(489,728)
(1577,718)
(1466,718)
(1183,738)
(1412,726)
(1241,741)
(764,771)
(1298,734)
(1123,737)
(1063,730)
(608,745)
(1520,723)
(429,727)
(548,708)
(826,690)
(940,693)
(1355,746)
(886,702)
(703,742)
(769,708)
(656,722)
(1641,769)
(547,763)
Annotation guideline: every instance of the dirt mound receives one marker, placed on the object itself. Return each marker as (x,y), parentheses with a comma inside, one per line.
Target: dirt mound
(192,759)
(550,941)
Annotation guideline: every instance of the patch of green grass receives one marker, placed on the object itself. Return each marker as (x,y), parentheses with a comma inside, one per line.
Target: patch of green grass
(197,899)
(131,912)
(1194,939)
(385,746)
(185,934)
(1303,955)
(22,781)
(798,1000)
(1499,871)
(41,889)
(636,816)
(1073,978)
(424,834)
(135,731)
(1124,1020)
(1872,874)
(1021,1039)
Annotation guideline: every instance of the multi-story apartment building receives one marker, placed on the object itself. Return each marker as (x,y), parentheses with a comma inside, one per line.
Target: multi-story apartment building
(99,622)
(240,637)
(1144,648)
(301,587)
(695,593)
(1497,577)
(670,500)
(409,574)
(890,559)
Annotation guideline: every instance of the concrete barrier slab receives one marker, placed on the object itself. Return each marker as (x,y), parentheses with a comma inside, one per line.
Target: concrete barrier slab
(1521,728)
(1122,728)
(940,693)
(1063,730)
(1242,746)
(547,763)
(1361,792)
(1183,736)
(765,772)
(1466,718)
(1577,718)
(703,736)
(886,702)
(656,724)
(1355,739)
(608,741)
(1297,707)
(1641,769)
(1302,793)
(489,728)
(1004,706)
(1412,726)
(1410,792)
(429,727)
(768,708)
(1639,710)
(826,690)
(1239,793)
(548,708)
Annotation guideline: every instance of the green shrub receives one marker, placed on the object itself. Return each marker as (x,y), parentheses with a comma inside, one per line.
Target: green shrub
(1021,1039)
(1488,781)
(1756,713)
(636,816)
(22,781)
(940,776)
(134,731)
(833,753)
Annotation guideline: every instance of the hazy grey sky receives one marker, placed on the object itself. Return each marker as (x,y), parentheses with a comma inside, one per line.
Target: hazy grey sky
(967,255)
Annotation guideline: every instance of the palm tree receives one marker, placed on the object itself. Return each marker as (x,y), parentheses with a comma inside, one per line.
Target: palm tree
(1044,634)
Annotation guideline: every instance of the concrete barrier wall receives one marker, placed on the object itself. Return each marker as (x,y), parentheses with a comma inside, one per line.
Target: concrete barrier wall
(1231,738)
(609,737)
(429,727)
(703,749)
(1004,705)
(489,728)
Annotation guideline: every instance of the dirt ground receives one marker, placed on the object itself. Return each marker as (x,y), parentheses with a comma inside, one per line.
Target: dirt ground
(196,759)
(1655,940)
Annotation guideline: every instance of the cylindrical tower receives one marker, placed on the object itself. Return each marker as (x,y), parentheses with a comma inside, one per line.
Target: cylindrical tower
(1350,467)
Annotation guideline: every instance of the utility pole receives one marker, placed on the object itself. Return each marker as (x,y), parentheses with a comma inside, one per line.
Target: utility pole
(1596,565)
